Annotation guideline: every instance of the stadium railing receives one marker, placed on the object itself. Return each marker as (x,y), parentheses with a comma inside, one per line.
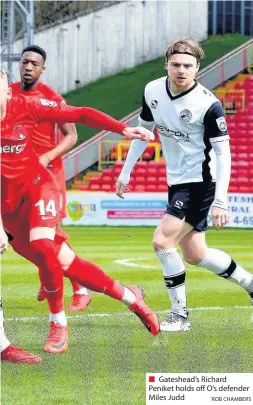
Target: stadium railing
(86,154)
(113,151)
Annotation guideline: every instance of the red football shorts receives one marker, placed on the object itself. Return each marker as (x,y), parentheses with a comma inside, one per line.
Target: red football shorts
(40,206)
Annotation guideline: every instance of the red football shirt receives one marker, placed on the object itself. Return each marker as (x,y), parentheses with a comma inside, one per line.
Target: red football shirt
(19,163)
(45,132)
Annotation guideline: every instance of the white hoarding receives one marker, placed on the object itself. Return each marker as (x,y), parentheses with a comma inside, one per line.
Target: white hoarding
(141,209)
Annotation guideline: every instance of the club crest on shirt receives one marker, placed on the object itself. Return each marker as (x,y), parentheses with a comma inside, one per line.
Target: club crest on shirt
(185,116)
(222,125)
(154,104)
(19,133)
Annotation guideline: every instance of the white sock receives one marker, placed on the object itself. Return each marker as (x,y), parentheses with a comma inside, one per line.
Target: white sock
(129,297)
(82,291)
(4,342)
(224,266)
(174,278)
(58,318)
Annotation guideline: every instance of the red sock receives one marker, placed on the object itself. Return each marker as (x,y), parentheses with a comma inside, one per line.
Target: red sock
(75,286)
(92,276)
(50,272)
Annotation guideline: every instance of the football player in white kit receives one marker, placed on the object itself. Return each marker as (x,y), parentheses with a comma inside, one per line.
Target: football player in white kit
(195,143)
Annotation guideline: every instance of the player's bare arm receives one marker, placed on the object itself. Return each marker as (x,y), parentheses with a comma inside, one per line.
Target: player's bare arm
(70,139)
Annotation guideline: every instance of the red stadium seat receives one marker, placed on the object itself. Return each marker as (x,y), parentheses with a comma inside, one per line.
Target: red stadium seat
(162,180)
(242,156)
(242,163)
(83,187)
(161,165)
(151,171)
(152,188)
(107,172)
(140,180)
(233,183)
(152,165)
(141,164)
(106,187)
(107,180)
(162,188)
(233,189)
(241,172)
(244,189)
(152,180)
(242,148)
(139,188)
(118,164)
(139,171)
(96,180)
(243,181)
(117,170)
(94,187)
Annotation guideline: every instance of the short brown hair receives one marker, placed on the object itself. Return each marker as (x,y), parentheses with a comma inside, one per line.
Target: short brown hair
(185,45)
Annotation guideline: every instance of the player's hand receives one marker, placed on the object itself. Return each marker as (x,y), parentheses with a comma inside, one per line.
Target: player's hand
(3,241)
(44,160)
(144,134)
(121,189)
(219,217)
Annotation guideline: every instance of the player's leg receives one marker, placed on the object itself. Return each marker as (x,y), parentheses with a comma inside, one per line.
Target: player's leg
(43,212)
(196,252)
(93,277)
(13,353)
(215,260)
(81,297)
(166,237)
(169,232)
(51,277)
(33,231)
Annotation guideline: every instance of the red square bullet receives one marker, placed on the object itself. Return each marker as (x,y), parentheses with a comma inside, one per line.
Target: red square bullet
(151,378)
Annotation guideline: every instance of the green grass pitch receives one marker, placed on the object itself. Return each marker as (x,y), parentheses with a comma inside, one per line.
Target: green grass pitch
(109,351)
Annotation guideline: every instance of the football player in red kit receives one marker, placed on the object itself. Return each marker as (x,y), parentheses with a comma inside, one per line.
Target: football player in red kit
(31,207)
(32,65)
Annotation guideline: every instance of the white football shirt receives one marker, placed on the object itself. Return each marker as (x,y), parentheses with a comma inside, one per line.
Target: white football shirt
(186,124)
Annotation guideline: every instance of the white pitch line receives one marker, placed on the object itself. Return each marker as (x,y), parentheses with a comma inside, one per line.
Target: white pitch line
(128,263)
(103,315)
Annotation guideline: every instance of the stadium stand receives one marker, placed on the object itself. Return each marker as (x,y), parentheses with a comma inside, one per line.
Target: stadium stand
(149,173)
